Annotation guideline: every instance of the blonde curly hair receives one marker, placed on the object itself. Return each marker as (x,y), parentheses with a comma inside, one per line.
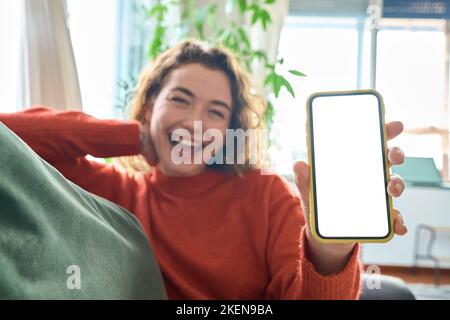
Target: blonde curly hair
(248,106)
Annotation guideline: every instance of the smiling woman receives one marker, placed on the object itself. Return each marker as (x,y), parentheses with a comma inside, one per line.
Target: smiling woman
(230,231)
(172,93)
(186,97)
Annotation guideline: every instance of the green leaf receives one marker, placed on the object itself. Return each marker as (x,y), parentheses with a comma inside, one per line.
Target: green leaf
(156,45)
(278,83)
(152,11)
(265,18)
(270,66)
(244,37)
(260,55)
(288,86)
(223,35)
(231,41)
(269,1)
(270,79)
(242,5)
(158,10)
(212,8)
(297,73)
(255,15)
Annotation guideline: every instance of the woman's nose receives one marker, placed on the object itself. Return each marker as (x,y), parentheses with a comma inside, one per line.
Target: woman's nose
(192,117)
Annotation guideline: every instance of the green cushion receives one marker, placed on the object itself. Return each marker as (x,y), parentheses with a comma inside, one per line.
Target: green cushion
(50,229)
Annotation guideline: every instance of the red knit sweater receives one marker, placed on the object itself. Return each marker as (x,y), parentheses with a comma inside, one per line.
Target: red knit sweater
(215,235)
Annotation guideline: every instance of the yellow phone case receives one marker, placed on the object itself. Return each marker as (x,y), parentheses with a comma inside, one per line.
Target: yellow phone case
(312,213)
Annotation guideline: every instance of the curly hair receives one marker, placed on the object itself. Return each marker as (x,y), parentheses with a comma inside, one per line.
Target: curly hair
(248,106)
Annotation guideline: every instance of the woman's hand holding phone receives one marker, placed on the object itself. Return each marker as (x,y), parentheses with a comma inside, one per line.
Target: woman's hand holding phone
(330,258)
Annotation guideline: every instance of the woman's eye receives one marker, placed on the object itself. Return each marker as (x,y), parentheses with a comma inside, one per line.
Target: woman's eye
(217,114)
(179,100)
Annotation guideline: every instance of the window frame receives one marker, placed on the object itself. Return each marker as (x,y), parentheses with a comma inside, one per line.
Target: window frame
(399,24)
(443,132)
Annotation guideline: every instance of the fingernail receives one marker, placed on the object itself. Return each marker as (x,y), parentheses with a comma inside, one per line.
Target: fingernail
(404,224)
(398,186)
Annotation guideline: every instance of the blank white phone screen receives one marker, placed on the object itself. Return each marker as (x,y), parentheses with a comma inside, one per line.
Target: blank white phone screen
(351,199)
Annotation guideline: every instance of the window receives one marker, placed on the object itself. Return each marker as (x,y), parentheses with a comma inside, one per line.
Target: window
(92,26)
(412,75)
(329,52)
(110,41)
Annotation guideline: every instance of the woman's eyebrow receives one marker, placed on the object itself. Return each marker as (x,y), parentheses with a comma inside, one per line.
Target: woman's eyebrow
(186,91)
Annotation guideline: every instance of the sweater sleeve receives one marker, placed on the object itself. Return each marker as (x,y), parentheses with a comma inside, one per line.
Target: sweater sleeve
(67,135)
(64,138)
(293,276)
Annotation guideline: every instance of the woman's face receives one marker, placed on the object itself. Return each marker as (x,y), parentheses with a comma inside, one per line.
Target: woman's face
(190,93)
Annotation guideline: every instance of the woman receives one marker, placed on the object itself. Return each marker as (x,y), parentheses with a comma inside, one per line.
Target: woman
(222,231)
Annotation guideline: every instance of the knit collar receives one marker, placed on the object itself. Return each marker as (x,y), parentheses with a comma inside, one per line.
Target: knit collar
(188,186)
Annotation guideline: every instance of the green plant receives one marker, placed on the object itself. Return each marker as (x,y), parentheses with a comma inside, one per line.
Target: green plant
(202,23)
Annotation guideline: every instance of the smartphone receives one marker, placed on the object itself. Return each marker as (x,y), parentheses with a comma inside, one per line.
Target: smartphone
(349,169)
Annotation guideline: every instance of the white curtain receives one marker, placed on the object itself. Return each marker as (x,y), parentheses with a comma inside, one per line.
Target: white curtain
(49,75)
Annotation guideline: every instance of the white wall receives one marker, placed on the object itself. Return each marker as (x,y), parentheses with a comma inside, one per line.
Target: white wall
(418,205)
